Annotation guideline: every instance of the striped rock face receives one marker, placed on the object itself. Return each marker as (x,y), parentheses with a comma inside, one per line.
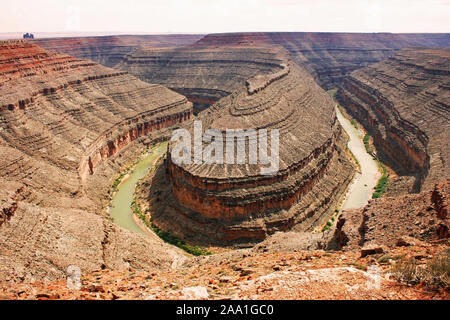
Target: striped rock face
(228,203)
(66,127)
(404,103)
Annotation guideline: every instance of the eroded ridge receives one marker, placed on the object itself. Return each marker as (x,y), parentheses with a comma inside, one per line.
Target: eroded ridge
(67,126)
(328,57)
(233,203)
(203,75)
(110,50)
(404,103)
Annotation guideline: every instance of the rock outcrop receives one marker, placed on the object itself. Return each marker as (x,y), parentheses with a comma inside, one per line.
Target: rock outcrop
(222,203)
(404,103)
(65,127)
(109,50)
(330,56)
(389,221)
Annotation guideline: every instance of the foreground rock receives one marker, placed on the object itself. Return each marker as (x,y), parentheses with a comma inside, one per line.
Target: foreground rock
(401,221)
(305,275)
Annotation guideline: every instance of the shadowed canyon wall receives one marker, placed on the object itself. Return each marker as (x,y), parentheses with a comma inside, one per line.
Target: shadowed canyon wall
(66,125)
(404,102)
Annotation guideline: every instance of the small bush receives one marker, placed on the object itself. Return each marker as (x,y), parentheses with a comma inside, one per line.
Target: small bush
(382,183)
(435,274)
(118,181)
(366,141)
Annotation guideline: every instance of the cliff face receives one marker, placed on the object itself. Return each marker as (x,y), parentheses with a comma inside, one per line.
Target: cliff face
(326,56)
(390,221)
(330,56)
(110,50)
(225,203)
(404,103)
(61,120)
(202,75)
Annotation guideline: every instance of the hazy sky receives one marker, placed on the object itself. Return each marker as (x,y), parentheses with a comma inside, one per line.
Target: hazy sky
(208,16)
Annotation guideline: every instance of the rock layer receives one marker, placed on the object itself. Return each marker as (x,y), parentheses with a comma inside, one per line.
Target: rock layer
(203,75)
(330,56)
(110,50)
(62,120)
(404,103)
(236,203)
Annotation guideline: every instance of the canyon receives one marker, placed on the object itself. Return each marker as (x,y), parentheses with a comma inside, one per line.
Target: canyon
(76,113)
(236,203)
(328,57)
(66,127)
(109,50)
(403,102)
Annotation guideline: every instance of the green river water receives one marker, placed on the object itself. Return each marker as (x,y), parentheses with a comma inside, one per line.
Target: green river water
(120,209)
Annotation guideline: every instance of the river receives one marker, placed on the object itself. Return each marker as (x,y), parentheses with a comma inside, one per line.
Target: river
(363,185)
(120,209)
(358,195)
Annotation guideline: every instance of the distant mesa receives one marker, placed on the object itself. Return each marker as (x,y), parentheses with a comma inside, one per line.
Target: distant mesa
(28,36)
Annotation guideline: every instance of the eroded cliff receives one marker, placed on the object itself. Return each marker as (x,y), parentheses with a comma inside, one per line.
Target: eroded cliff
(65,127)
(330,56)
(203,75)
(404,103)
(225,203)
(109,50)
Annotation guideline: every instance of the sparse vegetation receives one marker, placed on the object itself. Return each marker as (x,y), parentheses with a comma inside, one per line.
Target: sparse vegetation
(332,93)
(354,158)
(382,183)
(435,274)
(330,222)
(166,236)
(387,258)
(327,226)
(366,141)
(118,181)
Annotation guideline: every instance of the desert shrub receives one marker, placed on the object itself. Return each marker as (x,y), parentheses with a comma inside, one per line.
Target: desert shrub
(382,183)
(435,274)
(169,238)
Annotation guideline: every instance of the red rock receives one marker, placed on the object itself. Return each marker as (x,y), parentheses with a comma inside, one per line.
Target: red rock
(371,249)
